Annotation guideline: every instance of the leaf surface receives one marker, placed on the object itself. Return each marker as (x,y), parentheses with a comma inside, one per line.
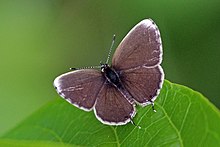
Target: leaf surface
(184,118)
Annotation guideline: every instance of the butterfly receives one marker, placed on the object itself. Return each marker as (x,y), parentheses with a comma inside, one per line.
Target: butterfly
(134,77)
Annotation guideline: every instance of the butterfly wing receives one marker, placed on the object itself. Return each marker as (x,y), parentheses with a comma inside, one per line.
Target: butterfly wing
(80,87)
(137,59)
(143,83)
(112,107)
(141,46)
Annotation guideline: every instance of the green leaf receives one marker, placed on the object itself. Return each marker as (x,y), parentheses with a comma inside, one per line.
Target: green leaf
(184,118)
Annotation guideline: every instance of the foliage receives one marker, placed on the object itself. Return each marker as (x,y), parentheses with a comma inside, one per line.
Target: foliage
(184,118)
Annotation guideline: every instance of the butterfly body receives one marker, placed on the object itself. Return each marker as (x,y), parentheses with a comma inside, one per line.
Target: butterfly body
(134,77)
(111,75)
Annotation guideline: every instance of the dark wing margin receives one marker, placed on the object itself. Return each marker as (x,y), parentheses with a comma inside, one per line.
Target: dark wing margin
(141,46)
(143,83)
(80,87)
(112,107)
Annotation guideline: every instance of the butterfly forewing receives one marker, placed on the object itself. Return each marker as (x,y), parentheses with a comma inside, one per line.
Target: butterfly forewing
(80,87)
(112,107)
(137,60)
(143,83)
(141,46)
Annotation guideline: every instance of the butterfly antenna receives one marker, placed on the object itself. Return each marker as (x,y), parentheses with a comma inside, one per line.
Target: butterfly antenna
(88,67)
(110,50)
(135,124)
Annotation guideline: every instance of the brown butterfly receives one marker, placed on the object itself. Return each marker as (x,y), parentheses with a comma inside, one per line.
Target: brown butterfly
(134,77)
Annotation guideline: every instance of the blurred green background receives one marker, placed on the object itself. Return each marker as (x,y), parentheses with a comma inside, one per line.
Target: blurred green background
(40,39)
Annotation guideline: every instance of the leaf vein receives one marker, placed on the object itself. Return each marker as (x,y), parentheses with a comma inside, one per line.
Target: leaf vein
(185,116)
(50,131)
(172,124)
(116,136)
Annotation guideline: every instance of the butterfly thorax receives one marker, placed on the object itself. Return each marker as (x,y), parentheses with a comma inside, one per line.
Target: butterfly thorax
(111,75)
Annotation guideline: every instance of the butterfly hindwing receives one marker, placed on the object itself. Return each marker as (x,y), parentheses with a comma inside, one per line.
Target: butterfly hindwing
(143,83)
(112,107)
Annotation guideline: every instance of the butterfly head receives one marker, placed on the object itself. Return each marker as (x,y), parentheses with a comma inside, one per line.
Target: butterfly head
(104,66)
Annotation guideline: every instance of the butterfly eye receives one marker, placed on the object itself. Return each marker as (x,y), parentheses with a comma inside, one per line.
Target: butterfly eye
(102,67)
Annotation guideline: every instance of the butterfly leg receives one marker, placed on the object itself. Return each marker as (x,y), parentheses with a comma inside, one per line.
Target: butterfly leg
(152,104)
(132,122)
